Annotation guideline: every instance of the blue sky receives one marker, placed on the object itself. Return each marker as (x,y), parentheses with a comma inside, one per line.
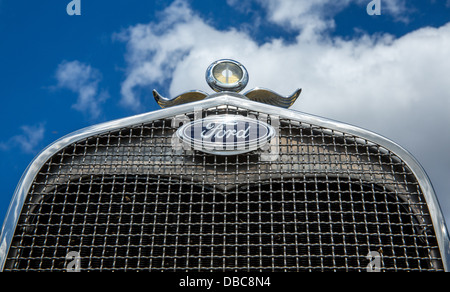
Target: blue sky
(388,73)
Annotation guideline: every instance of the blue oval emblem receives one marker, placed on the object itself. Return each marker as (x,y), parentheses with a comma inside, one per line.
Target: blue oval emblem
(226,134)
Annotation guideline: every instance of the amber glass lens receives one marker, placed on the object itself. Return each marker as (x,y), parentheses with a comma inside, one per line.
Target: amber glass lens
(227,73)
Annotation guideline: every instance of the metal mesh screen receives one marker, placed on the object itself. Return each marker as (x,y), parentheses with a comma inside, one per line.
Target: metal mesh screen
(128,200)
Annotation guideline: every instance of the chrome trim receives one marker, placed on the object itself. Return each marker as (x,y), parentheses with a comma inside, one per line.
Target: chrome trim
(268,96)
(26,181)
(216,85)
(258,94)
(186,97)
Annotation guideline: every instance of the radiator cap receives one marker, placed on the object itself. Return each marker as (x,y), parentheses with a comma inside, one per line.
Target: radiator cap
(227,75)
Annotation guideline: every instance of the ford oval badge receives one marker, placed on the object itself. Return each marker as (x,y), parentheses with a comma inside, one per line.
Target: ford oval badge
(226,134)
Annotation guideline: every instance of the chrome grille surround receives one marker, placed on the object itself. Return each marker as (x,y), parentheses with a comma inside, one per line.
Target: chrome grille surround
(335,193)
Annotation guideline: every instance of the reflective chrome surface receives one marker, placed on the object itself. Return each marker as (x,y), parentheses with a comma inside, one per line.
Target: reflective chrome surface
(227,75)
(268,96)
(232,77)
(261,95)
(187,97)
(225,135)
(234,100)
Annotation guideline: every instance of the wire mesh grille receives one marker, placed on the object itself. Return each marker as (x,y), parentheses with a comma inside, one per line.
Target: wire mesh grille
(128,200)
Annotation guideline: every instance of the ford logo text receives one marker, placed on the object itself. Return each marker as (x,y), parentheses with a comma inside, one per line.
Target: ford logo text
(226,134)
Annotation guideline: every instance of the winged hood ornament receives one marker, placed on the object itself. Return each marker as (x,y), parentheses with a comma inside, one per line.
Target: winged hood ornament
(229,75)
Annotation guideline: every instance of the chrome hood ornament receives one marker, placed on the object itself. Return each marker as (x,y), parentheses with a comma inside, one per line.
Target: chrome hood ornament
(186,97)
(229,76)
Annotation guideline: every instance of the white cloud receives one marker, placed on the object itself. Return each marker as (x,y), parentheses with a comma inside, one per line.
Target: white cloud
(83,80)
(312,17)
(28,141)
(181,46)
(394,86)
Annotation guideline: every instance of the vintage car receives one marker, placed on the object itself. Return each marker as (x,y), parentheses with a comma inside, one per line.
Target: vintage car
(224,182)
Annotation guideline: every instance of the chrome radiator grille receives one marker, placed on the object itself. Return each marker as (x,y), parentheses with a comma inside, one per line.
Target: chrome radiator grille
(127,200)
